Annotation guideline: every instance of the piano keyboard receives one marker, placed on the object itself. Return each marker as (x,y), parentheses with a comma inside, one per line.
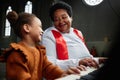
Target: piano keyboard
(75,76)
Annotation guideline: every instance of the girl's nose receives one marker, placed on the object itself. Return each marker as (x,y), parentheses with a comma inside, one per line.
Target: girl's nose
(41,32)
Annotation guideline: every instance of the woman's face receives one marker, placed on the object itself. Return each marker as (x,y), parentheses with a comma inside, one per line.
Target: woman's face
(62,21)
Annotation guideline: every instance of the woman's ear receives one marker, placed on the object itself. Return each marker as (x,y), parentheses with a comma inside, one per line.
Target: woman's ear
(26,28)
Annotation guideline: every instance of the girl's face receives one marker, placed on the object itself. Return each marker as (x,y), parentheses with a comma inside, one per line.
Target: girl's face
(62,21)
(36,30)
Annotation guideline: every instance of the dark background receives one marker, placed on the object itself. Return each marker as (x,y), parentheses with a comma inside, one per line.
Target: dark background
(98,23)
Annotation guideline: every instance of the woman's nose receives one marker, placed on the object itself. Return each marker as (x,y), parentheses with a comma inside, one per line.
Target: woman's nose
(60,20)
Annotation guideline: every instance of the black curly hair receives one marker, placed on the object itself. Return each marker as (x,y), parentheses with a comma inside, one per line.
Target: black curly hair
(60,5)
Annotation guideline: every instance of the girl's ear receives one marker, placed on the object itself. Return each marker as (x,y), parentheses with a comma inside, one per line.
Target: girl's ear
(26,28)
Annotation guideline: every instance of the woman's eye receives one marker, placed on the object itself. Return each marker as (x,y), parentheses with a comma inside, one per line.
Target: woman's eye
(56,19)
(64,17)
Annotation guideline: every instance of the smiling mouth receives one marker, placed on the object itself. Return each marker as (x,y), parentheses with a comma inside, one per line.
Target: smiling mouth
(62,25)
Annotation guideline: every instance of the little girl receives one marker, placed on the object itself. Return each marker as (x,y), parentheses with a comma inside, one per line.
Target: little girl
(26,59)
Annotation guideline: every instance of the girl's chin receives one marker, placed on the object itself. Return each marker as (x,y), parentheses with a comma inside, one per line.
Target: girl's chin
(39,40)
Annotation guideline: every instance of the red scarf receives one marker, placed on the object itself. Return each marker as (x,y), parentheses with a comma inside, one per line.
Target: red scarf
(79,34)
(61,47)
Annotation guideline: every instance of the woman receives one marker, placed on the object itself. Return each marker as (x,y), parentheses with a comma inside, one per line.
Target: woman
(65,45)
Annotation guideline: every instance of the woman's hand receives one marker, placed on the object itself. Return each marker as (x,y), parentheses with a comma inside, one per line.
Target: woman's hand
(74,70)
(89,62)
